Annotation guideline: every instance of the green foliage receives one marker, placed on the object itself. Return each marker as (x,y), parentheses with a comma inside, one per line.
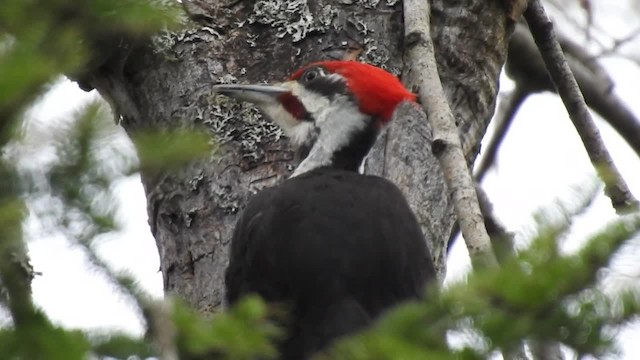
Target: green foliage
(119,346)
(244,332)
(538,295)
(39,40)
(163,150)
(39,339)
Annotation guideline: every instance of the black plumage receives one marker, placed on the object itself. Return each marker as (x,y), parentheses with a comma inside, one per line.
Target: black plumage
(335,247)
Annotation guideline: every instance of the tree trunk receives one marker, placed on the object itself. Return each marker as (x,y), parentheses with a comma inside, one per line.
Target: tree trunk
(192,211)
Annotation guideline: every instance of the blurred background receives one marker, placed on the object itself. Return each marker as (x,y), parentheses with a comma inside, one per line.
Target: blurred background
(527,175)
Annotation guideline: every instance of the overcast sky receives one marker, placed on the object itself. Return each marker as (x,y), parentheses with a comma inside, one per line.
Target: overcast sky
(540,160)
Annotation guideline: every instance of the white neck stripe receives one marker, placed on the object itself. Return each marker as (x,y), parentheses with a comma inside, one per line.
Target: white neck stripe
(338,124)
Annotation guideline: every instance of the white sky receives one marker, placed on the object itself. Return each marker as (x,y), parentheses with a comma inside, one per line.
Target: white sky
(542,158)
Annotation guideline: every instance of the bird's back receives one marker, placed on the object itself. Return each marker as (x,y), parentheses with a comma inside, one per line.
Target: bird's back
(337,247)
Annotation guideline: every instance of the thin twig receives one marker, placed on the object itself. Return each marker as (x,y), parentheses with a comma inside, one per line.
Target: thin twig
(558,68)
(502,240)
(583,57)
(570,18)
(525,66)
(446,144)
(156,314)
(507,110)
(618,43)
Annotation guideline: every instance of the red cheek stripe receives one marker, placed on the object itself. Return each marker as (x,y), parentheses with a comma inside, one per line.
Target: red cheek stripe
(293,106)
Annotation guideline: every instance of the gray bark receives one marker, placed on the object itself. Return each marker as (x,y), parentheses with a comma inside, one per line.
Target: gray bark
(192,211)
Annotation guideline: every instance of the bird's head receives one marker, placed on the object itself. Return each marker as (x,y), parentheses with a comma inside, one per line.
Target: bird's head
(335,108)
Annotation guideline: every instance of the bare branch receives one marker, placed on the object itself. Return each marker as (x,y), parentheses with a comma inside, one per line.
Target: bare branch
(618,43)
(546,350)
(503,246)
(590,27)
(16,272)
(526,67)
(542,31)
(446,144)
(501,238)
(518,353)
(515,8)
(161,329)
(507,110)
(588,9)
(577,55)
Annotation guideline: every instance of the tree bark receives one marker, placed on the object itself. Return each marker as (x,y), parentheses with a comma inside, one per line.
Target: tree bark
(192,211)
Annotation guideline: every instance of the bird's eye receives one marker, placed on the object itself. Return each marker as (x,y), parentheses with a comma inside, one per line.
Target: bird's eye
(311,75)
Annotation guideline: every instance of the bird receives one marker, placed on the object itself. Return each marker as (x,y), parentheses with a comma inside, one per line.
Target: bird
(335,247)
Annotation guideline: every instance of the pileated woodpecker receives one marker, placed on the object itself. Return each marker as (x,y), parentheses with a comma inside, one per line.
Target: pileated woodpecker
(337,247)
